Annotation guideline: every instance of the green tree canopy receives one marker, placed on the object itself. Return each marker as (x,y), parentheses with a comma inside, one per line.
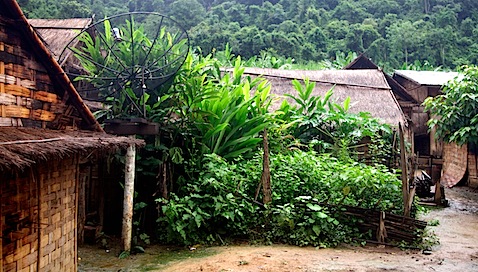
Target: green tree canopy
(455,112)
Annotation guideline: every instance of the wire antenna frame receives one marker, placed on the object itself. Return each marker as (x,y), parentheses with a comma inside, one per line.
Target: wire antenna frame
(127,58)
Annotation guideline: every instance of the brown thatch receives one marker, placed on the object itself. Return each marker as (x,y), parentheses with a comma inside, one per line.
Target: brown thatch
(24,147)
(367,88)
(362,62)
(57,33)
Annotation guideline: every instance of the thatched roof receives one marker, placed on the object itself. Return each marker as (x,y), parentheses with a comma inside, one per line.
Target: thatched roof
(427,78)
(57,33)
(367,88)
(362,62)
(11,10)
(25,147)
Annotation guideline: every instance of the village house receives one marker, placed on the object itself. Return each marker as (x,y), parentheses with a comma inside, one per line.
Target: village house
(458,163)
(46,134)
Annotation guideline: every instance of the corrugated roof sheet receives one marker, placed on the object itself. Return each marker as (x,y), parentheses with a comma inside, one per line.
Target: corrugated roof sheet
(430,78)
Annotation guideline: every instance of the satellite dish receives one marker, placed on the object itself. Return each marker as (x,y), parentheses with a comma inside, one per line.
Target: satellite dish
(126,59)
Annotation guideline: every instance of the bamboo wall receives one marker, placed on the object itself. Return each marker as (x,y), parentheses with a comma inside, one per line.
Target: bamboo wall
(38,218)
(27,92)
(472,170)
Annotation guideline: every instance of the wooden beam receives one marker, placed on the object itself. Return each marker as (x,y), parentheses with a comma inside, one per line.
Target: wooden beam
(127,225)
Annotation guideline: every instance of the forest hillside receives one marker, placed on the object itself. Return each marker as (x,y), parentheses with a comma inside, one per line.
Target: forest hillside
(438,33)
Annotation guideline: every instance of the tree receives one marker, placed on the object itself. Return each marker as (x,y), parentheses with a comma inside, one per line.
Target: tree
(187,12)
(455,112)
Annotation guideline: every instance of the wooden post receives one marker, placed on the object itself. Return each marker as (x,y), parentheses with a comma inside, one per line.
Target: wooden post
(266,171)
(128,197)
(381,230)
(403,164)
(438,192)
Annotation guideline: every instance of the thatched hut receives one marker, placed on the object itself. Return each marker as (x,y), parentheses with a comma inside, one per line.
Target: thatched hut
(41,149)
(368,89)
(416,116)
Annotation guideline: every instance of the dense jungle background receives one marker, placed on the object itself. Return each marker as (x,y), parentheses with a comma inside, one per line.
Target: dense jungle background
(199,181)
(394,33)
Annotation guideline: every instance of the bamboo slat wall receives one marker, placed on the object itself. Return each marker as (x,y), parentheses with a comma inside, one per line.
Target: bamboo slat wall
(472,170)
(26,89)
(39,215)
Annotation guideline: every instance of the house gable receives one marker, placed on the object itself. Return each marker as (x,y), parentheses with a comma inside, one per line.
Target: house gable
(34,90)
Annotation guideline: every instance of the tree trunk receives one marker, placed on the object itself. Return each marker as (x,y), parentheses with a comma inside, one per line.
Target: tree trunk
(128,197)
(266,171)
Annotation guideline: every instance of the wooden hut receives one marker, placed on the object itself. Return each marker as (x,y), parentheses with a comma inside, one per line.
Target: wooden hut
(408,104)
(416,116)
(41,147)
(420,85)
(368,89)
(459,163)
(57,33)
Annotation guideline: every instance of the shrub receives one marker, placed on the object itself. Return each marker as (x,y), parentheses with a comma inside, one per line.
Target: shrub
(307,191)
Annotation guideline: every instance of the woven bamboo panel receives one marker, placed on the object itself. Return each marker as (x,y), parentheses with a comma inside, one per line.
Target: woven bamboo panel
(23,76)
(50,225)
(58,211)
(19,213)
(472,170)
(454,164)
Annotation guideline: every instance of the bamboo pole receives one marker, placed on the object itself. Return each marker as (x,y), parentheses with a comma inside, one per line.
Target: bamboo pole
(266,171)
(128,197)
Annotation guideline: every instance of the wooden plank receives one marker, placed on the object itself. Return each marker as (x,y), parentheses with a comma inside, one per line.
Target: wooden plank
(37,95)
(403,164)
(46,97)
(22,112)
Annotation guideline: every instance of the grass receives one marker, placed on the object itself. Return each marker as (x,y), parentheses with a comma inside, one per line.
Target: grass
(164,257)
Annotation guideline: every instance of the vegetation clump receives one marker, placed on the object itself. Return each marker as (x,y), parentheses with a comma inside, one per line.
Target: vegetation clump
(207,162)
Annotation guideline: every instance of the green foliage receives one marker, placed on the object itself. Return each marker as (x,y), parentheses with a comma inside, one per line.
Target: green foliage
(218,204)
(327,126)
(213,205)
(455,112)
(391,32)
(224,113)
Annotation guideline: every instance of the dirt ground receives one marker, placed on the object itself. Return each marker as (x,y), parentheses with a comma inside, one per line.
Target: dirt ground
(458,251)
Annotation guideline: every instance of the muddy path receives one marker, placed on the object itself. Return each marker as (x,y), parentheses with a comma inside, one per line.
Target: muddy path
(458,251)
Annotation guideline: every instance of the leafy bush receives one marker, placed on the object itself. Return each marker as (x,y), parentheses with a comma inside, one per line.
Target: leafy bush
(307,188)
(213,205)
